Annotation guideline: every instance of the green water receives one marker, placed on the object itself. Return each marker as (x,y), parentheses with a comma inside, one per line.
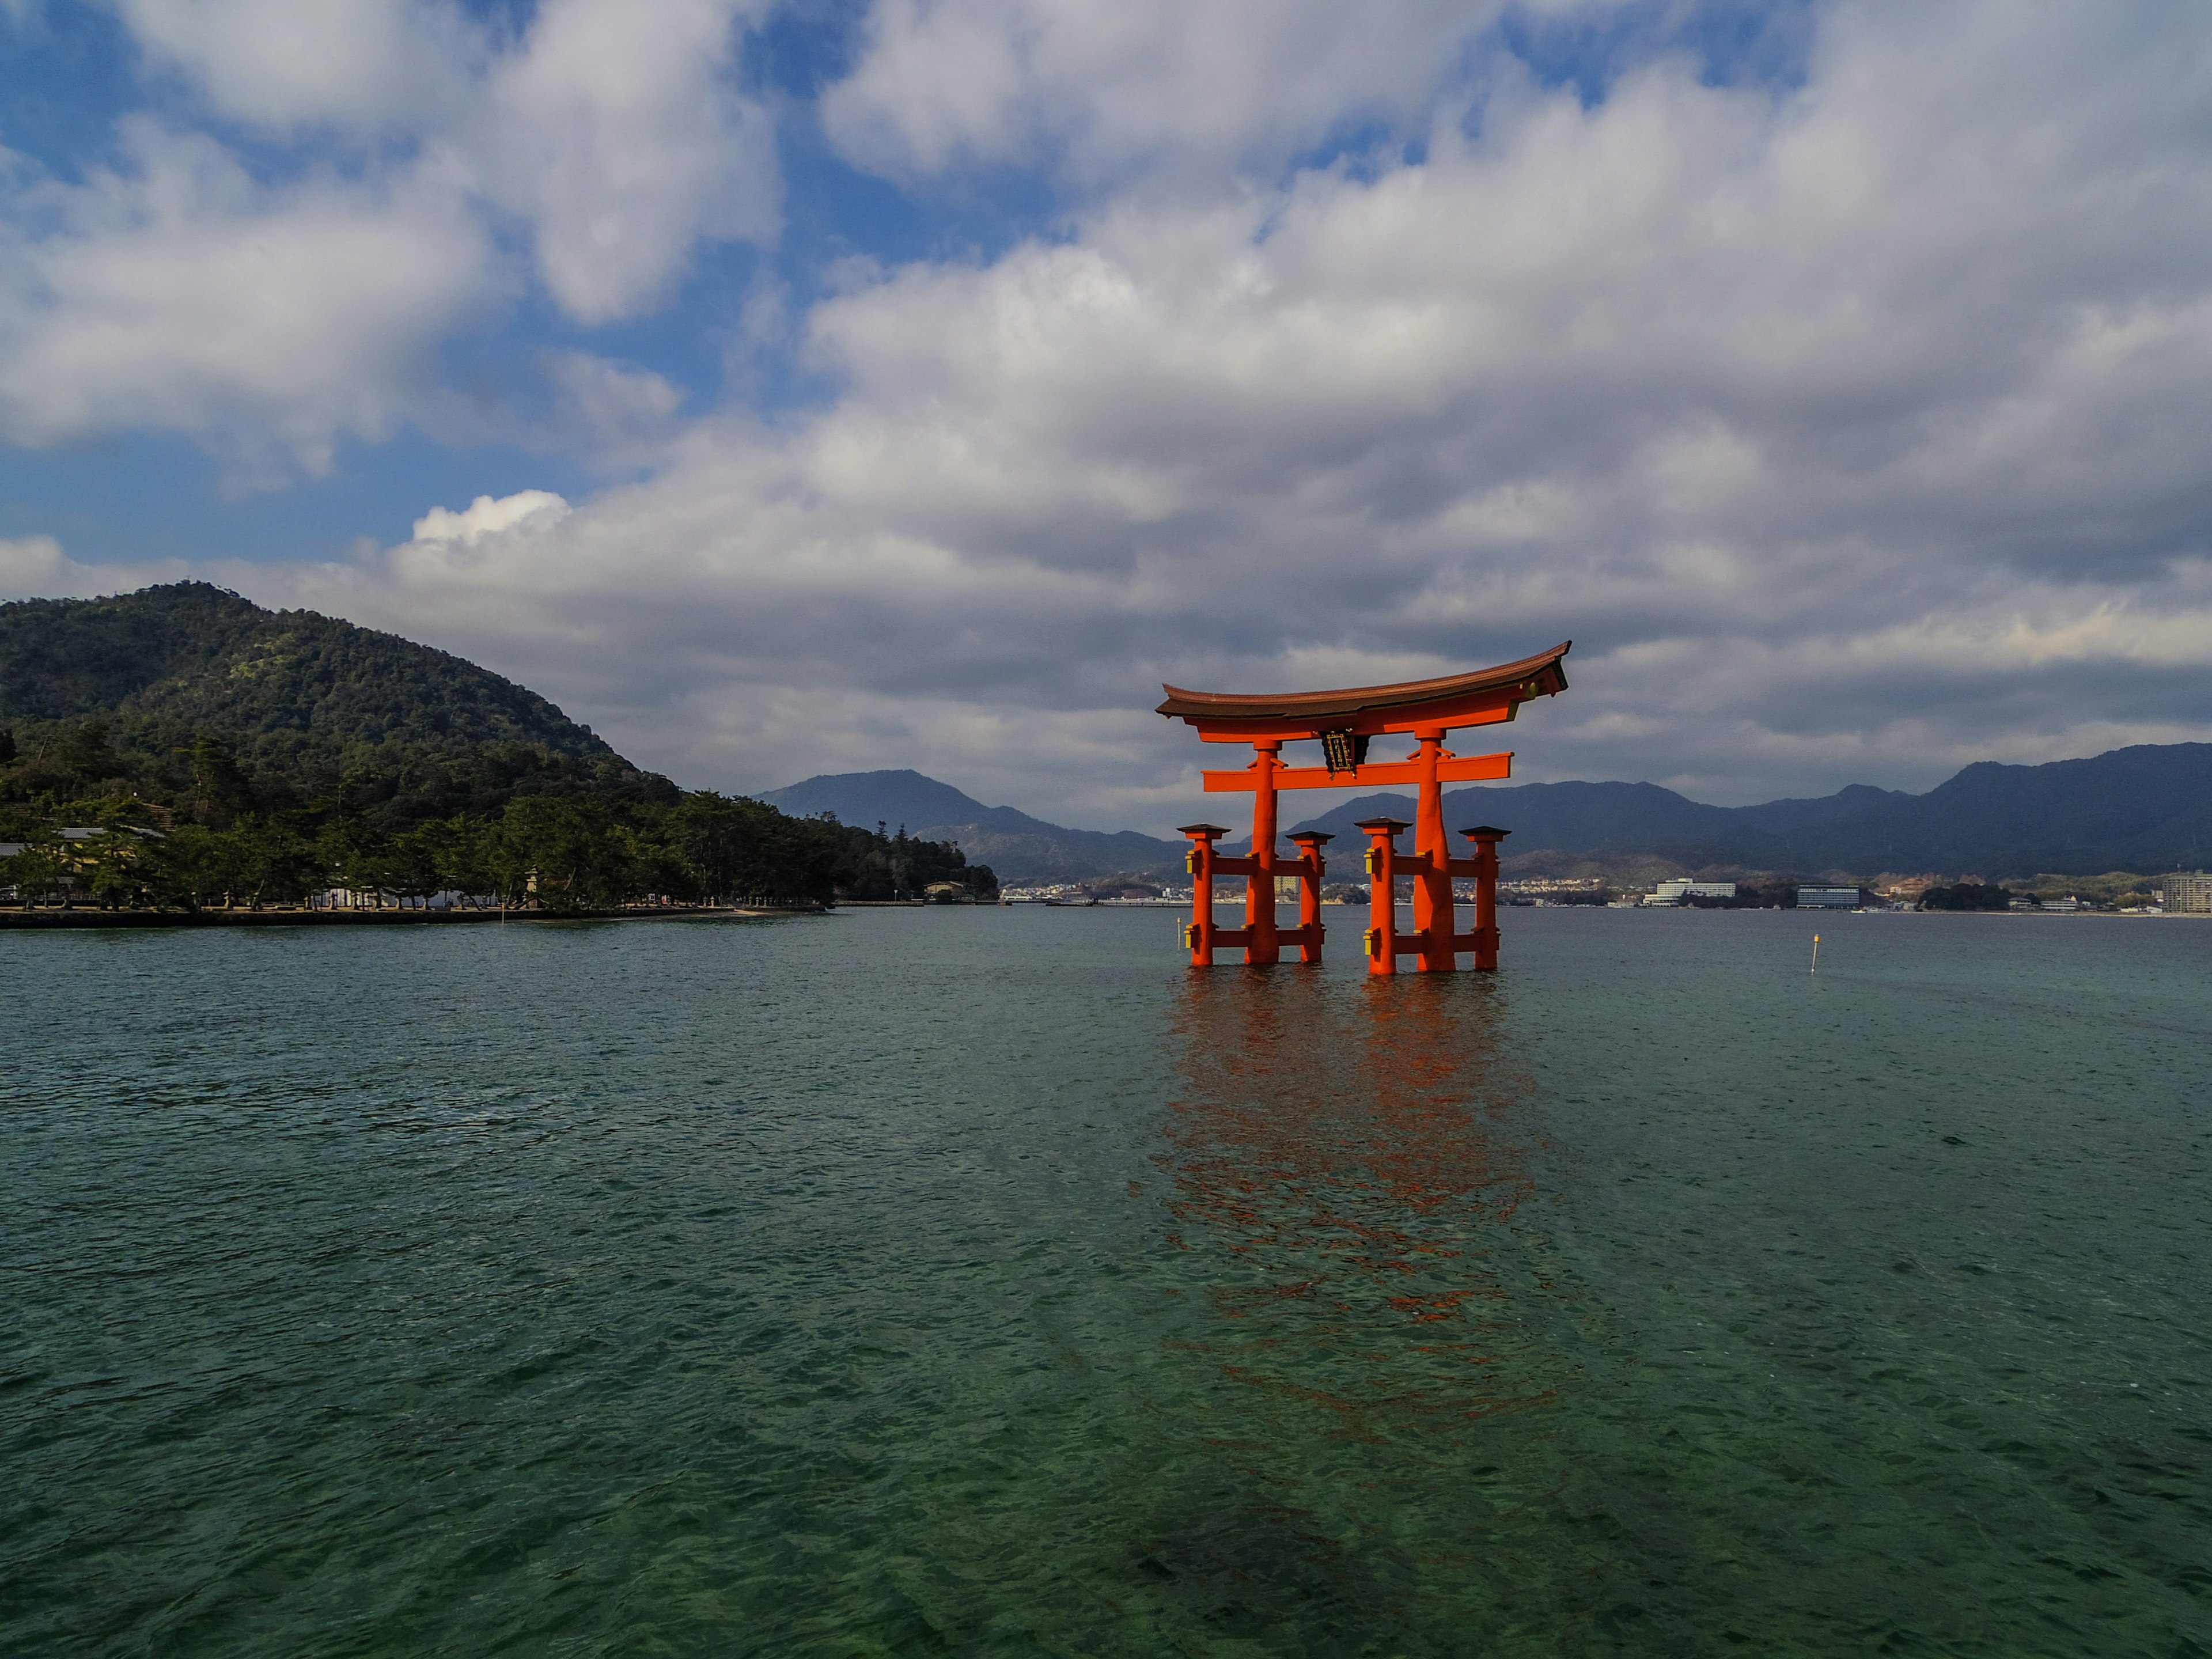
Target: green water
(984,1283)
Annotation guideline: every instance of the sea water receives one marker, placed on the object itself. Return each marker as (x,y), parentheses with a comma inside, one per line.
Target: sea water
(986,1282)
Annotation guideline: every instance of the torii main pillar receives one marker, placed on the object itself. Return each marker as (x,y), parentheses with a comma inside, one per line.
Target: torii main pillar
(1344,722)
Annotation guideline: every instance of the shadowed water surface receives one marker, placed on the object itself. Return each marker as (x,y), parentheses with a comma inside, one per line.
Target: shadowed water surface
(983,1282)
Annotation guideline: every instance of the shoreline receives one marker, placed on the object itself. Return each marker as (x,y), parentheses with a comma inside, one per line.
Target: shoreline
(47,920)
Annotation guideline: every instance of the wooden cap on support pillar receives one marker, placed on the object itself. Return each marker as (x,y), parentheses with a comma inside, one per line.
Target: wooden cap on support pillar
(1485,832)
(1204,831)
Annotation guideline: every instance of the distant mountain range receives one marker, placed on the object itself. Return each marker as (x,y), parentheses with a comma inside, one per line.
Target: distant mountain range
(1016,846)
(2146,809)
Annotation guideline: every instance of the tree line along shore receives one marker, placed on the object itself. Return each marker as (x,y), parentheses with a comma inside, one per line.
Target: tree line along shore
(181,826)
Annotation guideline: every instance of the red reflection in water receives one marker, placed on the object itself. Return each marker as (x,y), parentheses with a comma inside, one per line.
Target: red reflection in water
(1352,1152)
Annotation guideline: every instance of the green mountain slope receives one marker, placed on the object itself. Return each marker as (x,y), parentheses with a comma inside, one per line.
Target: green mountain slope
(195,653)
(113,695)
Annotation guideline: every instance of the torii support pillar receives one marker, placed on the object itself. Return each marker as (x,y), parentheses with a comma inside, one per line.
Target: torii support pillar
(1434,921)
(1201,936)
(1484,939)
(1261,945)
(1311,867)
(1382,892)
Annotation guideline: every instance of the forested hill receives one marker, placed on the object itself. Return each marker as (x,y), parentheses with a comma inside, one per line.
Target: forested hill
(227,753)
(309,707)
(195,653)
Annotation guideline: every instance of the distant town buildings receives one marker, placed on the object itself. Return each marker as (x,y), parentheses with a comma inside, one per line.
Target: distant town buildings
(1682,889)
(1554,887)
(1827,899)
(2183,892)
(1907,889)
(2188,893)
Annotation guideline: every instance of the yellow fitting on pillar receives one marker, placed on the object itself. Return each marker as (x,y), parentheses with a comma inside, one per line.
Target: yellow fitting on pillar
(1190,860)
(1374,860)
(1190,936)
(1374,941)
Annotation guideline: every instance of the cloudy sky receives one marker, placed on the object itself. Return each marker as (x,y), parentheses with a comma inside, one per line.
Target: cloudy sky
(802,387)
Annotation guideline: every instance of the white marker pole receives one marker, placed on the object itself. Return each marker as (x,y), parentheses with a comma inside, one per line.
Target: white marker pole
(1816,954)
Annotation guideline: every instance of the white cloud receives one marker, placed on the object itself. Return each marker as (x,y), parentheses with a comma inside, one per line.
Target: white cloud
(180,289)
(1189,89)
(485,516)
(36,567)
(283,63)
(176,293)
(618,415)
(616,132)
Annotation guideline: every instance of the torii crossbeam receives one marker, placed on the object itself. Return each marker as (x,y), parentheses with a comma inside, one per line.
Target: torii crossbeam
(1344,721)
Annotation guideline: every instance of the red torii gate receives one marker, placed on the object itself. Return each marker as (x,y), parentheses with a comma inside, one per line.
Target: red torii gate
(1344,721)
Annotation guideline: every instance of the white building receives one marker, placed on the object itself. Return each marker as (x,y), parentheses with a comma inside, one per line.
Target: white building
(1682,888)
(1827,899)
(2188,893)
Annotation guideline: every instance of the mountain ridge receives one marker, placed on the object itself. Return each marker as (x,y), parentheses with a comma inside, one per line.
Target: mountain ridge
(2146,807)
(202,655)
(1017,847)
(121,691)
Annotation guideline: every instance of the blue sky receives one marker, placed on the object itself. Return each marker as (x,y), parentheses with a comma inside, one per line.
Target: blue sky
(893,382)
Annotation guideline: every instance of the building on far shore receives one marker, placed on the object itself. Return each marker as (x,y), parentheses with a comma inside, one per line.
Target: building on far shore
(2188,892)
(1681,889)
(1827,899)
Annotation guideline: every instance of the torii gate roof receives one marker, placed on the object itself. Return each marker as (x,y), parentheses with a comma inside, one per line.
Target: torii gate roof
(1377,708)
